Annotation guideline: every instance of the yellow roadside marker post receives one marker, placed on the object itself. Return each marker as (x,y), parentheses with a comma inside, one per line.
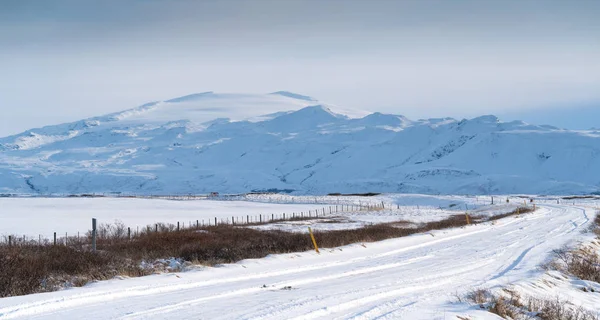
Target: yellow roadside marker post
(312,236)
(468,220)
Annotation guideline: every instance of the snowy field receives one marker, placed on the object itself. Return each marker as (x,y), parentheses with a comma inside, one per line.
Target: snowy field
(44,216)
(33,217)
(415,277)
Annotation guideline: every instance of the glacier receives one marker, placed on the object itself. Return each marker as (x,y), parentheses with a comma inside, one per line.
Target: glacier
(237,143)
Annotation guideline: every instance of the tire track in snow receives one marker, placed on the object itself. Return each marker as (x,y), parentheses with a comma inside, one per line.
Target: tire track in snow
(97,298)
(390,309)
(29,309)
(329,310)
(431,280)
(290,283)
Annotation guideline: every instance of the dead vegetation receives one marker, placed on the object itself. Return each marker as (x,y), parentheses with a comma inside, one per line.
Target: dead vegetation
(583,263)
(509,304)
(517,211)
(29,266)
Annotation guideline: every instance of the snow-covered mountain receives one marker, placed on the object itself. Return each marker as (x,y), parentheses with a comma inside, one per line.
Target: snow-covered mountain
(243,142)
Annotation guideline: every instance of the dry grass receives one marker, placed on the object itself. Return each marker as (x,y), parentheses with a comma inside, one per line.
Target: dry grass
(510,305)
(583,263)
(40,268)
(29,267)
(520,210)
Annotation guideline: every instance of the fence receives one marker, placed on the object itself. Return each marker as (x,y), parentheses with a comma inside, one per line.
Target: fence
(120,231)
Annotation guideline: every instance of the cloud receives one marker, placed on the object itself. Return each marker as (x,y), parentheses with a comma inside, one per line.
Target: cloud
(63,60)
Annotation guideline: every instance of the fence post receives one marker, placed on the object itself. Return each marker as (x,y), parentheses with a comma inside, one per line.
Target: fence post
(248,218)
(156,227)
(272,217)
(232,220)
(128,233)
(177,225)
(10,241)
(215,221)
(55,238)
(93,234)
(312,236)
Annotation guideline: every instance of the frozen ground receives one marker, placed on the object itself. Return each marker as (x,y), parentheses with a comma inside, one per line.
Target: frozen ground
(414,277)
(33,217)
(396,207)
(44,216)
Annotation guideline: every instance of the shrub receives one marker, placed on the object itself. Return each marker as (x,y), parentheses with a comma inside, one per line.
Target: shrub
(29,267)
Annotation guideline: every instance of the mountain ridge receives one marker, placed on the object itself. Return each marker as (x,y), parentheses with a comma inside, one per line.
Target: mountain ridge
(242,142)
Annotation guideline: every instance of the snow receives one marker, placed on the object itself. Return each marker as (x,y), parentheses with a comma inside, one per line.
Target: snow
(33,217)
(207,106)
(236,143)
(413,277)
(34,140)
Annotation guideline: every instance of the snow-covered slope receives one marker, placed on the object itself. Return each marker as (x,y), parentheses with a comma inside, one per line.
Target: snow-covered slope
(243,142)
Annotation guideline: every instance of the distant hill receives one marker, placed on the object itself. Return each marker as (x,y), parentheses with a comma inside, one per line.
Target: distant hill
(284,141)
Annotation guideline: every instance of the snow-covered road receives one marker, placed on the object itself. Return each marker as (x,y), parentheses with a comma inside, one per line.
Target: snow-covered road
(408,278)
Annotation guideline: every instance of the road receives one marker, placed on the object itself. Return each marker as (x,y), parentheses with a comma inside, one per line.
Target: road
(415,277)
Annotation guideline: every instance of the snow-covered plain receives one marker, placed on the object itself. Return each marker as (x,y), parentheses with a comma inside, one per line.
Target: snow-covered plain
(33,217)
(414,277)
(236,143)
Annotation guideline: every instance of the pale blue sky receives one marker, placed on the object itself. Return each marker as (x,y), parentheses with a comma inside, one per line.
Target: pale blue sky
(539,60)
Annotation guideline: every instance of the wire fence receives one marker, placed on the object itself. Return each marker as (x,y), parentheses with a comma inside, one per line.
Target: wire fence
(118,230)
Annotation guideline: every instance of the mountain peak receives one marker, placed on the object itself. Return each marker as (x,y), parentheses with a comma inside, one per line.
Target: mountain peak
(319,110)
(304,119)
(273,141)
(382,119)
(486,119)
